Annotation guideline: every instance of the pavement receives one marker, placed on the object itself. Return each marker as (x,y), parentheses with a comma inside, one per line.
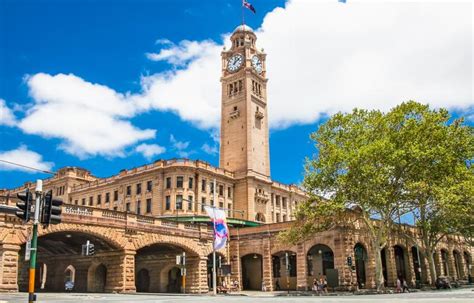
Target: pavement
(463,295)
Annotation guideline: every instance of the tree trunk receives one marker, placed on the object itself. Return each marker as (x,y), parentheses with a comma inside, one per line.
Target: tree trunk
(431,263)
(379,279)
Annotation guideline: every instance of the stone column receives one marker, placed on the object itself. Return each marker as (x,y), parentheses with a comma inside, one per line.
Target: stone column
(452,265)
(9,267)
(121,272)
(267,275)
(438,263)
(197,276)
(410,268)
(302,268)
(234,257)
(391,266)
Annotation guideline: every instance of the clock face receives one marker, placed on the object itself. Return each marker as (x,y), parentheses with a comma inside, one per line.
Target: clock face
(257,64)
(234,63)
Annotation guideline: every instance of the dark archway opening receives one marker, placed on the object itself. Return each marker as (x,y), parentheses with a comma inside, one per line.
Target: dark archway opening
(174,280)
(252,272)
(360,254)
(142,280)
(400,262)
(415,255)
(444,261)
(383,256)
(284,270)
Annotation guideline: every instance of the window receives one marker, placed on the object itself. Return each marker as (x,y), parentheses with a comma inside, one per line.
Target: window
(179,182)
(221,204)
(115,195)
(179,201)
(148,206)
(129,190)
(149,185)
(83,201)
(212,202)
(292,259)
(221,190)
(115,208)
(190,202)
(76,202)
(138,207)
(167,202)
(203,203)
(283,201)
(107,197)
(139,188)
(168,182)
(190,183)
(99,199)
(91,201)
(211,185)
(277,200)
(203,185)
(229,207)
(128,206)
(278,217)
(284,218)
(229,192)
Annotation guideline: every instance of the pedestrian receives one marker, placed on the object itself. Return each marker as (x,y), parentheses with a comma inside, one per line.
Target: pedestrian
(277,285)
(405,286)
(264,288)
(399,286)
(315,286)
(325,285)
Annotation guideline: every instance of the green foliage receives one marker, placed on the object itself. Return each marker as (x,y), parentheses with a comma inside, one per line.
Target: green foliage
(410,159)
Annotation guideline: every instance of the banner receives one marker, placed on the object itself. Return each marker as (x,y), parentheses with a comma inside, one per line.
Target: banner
(221,231)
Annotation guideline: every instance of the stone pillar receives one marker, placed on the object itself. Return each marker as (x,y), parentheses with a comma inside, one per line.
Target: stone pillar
(197,276)
(463,265)
(452,265)
(267,275)
(391,266)
(121,272)
(301,268)
(410,268)
(438,263)
(425,269)
(9,267)
(235,264)
(370,266)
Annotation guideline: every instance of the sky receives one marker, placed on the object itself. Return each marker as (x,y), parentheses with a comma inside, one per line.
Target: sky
(107,85)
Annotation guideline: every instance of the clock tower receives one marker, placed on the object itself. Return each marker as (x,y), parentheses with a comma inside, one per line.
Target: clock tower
(244,145)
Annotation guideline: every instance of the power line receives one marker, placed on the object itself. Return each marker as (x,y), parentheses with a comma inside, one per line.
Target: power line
(28,167)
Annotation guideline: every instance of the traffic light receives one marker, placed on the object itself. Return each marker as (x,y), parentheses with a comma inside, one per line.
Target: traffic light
(51,213)
(24,205)
(349,261)
(91,250)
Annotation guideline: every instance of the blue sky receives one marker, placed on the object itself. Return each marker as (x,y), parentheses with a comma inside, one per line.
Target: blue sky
(150,70)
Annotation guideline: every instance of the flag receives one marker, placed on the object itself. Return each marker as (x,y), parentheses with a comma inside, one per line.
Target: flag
(221,231)
(342,1)
(247,4)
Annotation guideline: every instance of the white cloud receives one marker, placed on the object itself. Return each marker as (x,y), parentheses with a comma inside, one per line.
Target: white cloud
(22,155)
(150,150)
(90,118)
(6,114)
(325,57)
(182,53)
(179,145)
(211,150)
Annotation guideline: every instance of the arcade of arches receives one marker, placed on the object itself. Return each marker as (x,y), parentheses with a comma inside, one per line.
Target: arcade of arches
(141,257)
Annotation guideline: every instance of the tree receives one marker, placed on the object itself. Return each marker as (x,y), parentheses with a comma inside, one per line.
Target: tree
(440,184)
(372,162)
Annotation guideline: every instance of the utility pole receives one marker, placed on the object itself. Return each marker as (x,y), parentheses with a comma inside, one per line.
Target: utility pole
(34,242)
(287,259)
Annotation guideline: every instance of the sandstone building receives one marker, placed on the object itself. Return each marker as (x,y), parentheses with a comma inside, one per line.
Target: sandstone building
(141,218)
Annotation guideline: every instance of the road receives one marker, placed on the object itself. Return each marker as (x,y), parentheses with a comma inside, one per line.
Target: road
(455,296)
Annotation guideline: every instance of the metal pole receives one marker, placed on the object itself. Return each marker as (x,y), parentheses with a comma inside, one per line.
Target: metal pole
(287,272)
(184,273)
(214,278)
(34,243)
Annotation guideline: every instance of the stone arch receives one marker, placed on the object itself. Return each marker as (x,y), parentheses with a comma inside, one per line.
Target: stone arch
(252,271)
(97,277)
(320,257)
(445,262)
(155,239)
(70,274)
(360,263)
(170,279)
(112,236)
(401,257)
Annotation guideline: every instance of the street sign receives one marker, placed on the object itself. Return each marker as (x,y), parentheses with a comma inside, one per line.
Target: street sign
(28,250)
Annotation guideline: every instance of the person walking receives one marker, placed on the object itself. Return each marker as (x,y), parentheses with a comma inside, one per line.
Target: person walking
(405,286)
(399,286)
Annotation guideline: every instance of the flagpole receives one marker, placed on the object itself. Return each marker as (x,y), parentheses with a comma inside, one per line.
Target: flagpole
(214,278)
(243,15)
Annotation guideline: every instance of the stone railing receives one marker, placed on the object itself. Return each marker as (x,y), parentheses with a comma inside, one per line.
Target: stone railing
(128,219)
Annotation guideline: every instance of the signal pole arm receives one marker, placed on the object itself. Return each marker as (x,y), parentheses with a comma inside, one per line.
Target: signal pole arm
(7,209)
